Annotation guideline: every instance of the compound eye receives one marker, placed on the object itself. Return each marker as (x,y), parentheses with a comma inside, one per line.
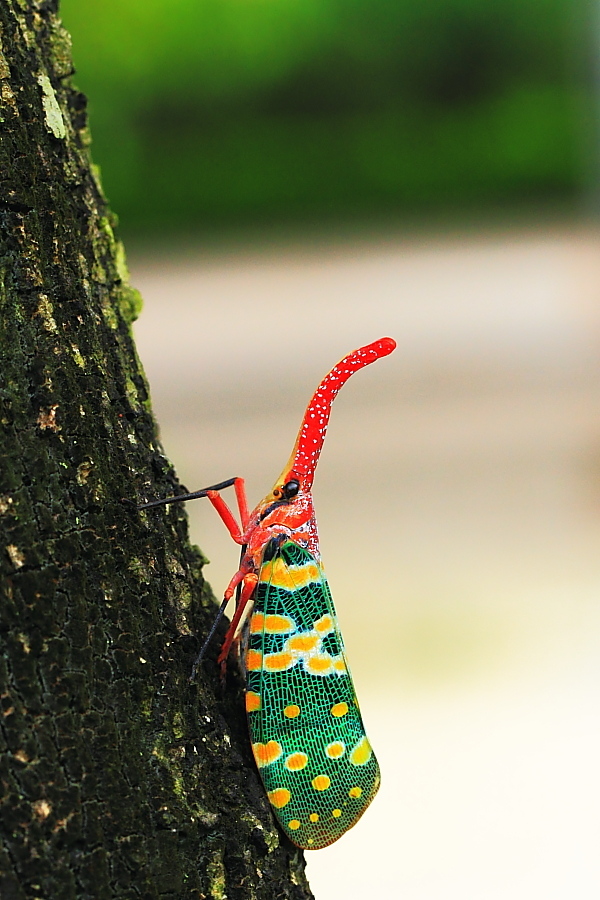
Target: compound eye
(291,489)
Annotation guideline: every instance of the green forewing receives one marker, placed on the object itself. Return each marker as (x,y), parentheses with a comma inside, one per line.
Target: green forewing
(305,725)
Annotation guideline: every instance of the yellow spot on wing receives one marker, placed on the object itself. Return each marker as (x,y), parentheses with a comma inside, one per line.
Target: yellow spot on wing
(361,753)
(294,824)
(314,817)
(296,761)
(279,798)
(252,701)
(336,813)
(321,782)
(339,710)
(291,711)
(266,754)
(278,662)
(355,792)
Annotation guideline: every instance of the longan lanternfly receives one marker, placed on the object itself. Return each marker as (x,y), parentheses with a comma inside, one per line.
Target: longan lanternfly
(308,739)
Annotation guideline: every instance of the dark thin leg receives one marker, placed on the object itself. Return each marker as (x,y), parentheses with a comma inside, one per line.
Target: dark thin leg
(215,624)
(209,638)
(179,498)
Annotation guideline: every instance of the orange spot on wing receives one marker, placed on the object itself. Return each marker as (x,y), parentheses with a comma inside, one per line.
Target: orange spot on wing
(276,572)
(319,664)
(324,625)
(278,662)
(271,624)
(321,782)
(265,572)
(335,749)
(361,753)
(279,624)
(303,643)
(305,574)
(338,664)
(252,701)
(279,798)
(266,754)
(296,761)
(355,792)
(339,710)
(253,660)
(291,711)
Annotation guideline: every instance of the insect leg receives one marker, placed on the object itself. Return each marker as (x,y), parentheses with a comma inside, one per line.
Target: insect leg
(249,583)
(209,638)
(239,486)
(226,515)
(228,595)
(179,498)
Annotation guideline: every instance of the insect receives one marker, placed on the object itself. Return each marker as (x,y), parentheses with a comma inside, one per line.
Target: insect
(307,735)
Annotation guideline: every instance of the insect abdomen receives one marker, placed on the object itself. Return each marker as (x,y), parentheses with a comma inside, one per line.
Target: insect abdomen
(307,734)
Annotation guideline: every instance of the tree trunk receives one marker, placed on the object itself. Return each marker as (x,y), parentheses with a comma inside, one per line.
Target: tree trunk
(119,778)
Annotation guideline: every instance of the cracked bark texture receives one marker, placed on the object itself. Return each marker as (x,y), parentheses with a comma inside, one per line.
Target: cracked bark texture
(118,778)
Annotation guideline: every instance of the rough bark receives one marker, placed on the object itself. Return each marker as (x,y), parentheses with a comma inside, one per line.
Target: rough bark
(118,778)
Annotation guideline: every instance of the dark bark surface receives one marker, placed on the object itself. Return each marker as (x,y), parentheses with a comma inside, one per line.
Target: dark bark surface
(118,777)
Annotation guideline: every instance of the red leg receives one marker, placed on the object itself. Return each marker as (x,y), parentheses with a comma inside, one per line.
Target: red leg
(242,501)
(240,575)
(248,588)
(226,515)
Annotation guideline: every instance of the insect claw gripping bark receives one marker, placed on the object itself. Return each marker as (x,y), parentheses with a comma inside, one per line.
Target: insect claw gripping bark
(308,739)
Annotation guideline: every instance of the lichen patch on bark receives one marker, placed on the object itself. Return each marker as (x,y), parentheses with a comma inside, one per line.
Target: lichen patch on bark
(52,112)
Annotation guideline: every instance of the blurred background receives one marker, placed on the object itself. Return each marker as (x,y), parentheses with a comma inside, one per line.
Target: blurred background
(213,113)
(295,180)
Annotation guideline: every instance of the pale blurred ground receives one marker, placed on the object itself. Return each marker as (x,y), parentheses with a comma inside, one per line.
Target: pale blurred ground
(458,499)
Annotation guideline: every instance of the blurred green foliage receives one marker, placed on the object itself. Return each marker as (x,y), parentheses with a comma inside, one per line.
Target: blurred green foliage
(215,111)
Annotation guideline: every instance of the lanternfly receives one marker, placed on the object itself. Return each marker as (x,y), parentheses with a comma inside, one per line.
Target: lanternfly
(307,735)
